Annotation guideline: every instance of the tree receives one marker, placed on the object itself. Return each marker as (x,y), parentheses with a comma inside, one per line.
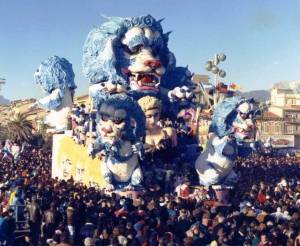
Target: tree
(3,133)
(19,128)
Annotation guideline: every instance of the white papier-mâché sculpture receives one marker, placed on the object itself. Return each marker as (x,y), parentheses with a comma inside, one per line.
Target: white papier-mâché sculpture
(120,128)
(56,77)
(232,124)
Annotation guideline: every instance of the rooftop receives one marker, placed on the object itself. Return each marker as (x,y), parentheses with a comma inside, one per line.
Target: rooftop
(270,115)
(290,107)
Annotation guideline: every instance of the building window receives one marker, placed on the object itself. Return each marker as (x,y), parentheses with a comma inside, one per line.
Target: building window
(277,127)
(290,115)
(272,127)
(291,101)
(290,129)
(266,127)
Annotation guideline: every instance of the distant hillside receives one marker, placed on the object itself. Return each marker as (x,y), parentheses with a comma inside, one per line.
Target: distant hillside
(258,95)
(3,100)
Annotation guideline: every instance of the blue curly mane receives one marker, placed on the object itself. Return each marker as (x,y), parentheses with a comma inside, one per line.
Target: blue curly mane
(102,56)
(55,73)
(224,114)
(177,77)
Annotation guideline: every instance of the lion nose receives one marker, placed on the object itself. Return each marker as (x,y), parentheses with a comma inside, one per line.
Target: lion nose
(153,63)
(107,130)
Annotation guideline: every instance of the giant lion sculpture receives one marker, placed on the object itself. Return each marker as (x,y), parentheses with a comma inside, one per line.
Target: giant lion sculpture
(233,123)
(56,77)
(130,52)
(120,129)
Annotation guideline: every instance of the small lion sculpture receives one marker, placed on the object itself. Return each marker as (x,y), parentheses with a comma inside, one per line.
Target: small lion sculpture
(120,129)
(56,77)
(231,130)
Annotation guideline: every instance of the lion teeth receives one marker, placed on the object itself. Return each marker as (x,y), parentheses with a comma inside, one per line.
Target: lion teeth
(138,79)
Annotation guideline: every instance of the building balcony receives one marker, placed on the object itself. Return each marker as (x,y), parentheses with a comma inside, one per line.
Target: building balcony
(292,120)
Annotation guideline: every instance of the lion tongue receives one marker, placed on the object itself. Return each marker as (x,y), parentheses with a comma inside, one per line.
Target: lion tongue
(147,79)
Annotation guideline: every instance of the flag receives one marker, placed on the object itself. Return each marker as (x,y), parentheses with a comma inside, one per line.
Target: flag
(234,87)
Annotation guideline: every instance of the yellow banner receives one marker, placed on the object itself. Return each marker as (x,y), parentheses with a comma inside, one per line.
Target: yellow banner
(71,160)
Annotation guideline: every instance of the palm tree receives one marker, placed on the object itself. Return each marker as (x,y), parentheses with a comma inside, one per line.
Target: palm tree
(3,133)
(19,128)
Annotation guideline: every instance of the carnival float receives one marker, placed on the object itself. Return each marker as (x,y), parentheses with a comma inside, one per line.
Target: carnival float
(145,111)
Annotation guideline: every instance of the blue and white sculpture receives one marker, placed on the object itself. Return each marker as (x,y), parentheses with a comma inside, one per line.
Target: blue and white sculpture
(56,77)
(128,51)
(120,129)
(233,123)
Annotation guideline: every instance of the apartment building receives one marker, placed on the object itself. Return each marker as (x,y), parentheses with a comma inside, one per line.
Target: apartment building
(282,121)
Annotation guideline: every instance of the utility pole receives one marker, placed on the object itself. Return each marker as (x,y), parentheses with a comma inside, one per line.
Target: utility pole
(211,65)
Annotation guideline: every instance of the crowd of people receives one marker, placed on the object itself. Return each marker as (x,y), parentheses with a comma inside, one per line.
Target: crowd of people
(264,206)
(82,124)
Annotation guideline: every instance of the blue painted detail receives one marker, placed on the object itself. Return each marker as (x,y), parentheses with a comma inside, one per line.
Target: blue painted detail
(52,102)
(223,149)
(225,114)
(103,56)
(55,73)
(177,77)
(134,134)
(136,41)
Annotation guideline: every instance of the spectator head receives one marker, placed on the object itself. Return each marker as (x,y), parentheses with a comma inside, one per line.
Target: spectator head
(264,239)
(88,241)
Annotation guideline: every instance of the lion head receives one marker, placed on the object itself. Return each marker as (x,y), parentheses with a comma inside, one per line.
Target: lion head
(55,73)
(120,117)
(235,116)
(128,50)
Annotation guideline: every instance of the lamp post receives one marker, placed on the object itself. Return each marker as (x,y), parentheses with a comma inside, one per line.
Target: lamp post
(211,65)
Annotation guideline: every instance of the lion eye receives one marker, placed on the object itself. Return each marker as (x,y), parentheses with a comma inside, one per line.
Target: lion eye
(104,117)
(244,115)
(136,49)
(126,49)
(118,121)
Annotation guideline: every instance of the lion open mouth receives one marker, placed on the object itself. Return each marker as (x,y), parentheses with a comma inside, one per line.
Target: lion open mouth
(145,81)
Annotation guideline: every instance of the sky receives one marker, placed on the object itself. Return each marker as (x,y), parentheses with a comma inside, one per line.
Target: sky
(260,38)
